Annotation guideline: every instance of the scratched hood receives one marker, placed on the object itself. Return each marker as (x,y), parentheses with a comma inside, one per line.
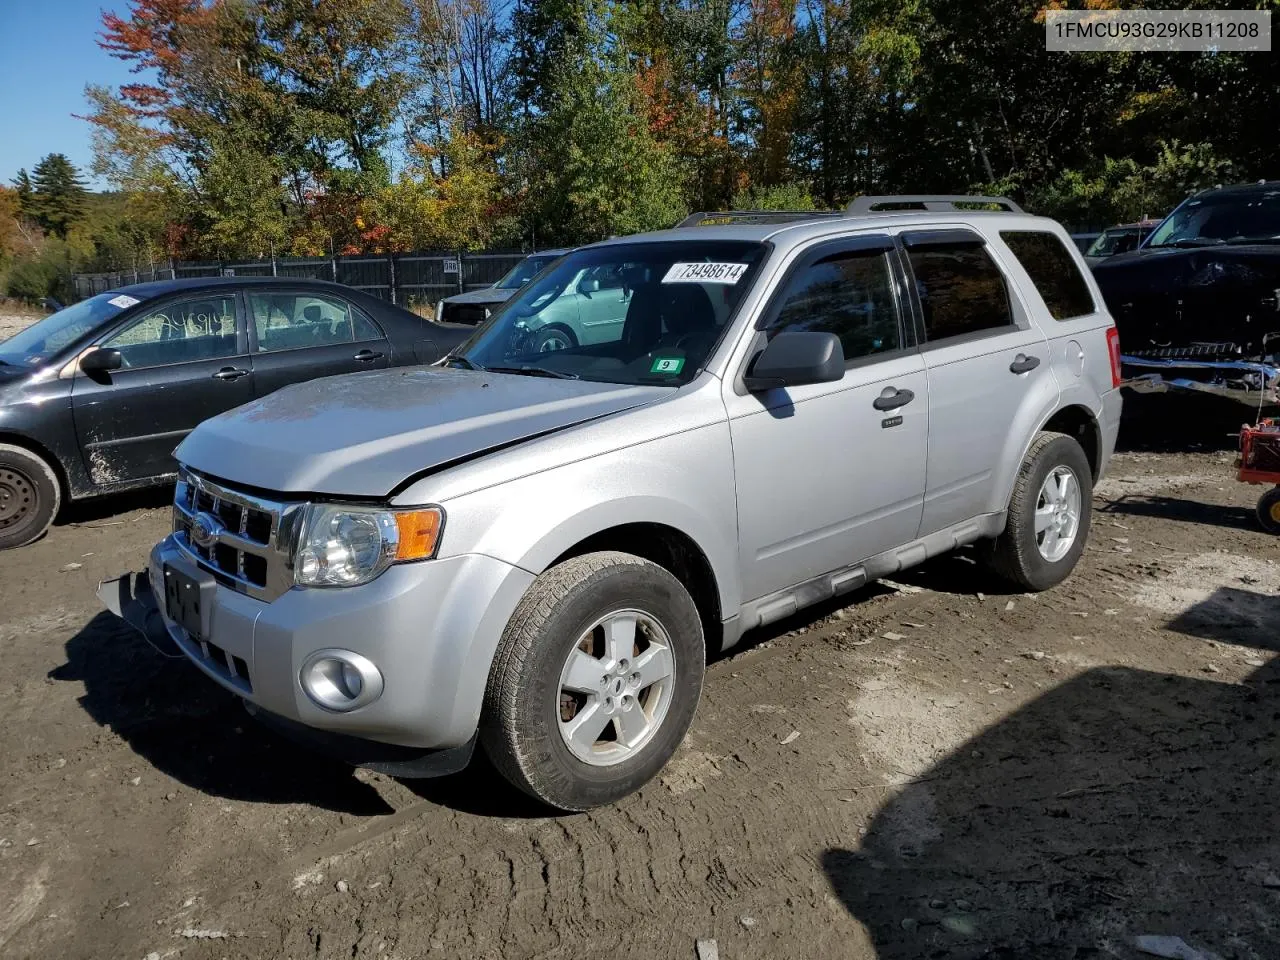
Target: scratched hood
(364,434)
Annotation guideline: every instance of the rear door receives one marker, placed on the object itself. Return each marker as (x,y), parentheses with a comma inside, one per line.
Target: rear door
(297,335)
(986,362)
(185,361)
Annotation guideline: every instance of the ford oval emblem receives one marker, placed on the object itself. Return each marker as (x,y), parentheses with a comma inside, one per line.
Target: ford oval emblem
(205,530)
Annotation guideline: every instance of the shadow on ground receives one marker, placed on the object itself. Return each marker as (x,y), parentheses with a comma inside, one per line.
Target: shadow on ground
(1171,423)
(189,728)
(1121,803)
(1185,511)
(100,510)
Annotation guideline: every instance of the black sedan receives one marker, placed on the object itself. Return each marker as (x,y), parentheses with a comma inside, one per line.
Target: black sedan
(94,398)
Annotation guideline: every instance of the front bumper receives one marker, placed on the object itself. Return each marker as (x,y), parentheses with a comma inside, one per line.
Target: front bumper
(430,628)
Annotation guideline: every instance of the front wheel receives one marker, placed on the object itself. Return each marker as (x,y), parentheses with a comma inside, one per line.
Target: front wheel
(595,681)
(1268,510)
(1049,515)
(553,337)
(29,496)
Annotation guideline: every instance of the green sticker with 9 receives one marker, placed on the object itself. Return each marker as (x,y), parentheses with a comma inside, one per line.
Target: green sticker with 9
(668,365)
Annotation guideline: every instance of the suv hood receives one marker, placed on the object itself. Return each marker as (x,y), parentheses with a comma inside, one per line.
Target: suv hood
(364,434)
(485,295)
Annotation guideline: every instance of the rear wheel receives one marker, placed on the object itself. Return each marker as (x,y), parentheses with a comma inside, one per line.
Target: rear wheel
(595,681)
(29,496)
(1049,515)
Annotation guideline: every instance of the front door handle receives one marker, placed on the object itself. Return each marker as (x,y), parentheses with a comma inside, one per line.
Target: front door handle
(892,398)
(230,373)
(367,356)
(1023,364)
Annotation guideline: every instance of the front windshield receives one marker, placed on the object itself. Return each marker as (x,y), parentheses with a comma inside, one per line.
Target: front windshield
(1111,242)
(621,313)
(523,272)
(40,342)
(1221,218)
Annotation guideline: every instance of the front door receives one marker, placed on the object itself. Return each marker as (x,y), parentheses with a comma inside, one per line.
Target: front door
(184,361)
(602,305)
(830,474)
(985,361)
(302,335)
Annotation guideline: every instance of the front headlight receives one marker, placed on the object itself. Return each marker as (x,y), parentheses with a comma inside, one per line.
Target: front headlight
(343,545)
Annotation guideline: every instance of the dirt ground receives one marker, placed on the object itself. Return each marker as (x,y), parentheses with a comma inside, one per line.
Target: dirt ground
(936,769)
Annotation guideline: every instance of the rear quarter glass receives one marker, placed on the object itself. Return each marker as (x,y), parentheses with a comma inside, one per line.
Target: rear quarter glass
(1053,270)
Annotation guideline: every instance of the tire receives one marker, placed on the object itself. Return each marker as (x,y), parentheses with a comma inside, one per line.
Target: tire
(528,714)
(554,336)
(29,496)
(1268,510)
(1018,555)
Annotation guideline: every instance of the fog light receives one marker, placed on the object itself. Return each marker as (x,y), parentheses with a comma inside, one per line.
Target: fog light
(340,680)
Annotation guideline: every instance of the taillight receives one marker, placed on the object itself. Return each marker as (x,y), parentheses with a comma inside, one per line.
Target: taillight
(1113,348)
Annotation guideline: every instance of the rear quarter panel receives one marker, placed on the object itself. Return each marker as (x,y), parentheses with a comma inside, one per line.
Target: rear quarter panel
(1078,353)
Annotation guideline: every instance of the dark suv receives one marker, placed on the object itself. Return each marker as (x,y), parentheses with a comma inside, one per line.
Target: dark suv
(1198,304)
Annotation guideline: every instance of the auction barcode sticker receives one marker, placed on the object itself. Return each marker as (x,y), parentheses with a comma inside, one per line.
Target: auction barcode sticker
(705,273)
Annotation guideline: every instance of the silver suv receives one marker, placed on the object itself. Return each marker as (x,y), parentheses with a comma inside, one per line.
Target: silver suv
(537,550)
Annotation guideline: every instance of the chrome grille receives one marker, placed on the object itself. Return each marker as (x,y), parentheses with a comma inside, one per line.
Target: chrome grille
(244,540)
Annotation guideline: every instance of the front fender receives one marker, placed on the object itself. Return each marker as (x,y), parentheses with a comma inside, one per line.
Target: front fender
(683,481)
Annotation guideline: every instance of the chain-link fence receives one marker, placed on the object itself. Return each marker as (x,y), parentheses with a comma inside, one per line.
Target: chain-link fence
(403,278)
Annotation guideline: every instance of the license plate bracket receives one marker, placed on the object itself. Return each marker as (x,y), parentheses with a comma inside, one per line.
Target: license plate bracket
(188,600)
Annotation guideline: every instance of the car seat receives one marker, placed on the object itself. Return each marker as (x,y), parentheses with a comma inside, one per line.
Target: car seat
(669,316)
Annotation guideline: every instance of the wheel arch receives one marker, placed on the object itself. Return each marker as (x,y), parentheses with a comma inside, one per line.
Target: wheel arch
(1079,423)
(44,453)
(673,550)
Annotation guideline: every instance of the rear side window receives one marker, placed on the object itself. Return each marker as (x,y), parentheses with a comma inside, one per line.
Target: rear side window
(848,294)
(961,290)
(1051,268)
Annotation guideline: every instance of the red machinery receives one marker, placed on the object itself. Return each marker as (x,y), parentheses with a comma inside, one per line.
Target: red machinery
(1260,463)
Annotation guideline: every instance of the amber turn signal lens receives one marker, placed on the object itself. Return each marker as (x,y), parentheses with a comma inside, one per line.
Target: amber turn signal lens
(419,533)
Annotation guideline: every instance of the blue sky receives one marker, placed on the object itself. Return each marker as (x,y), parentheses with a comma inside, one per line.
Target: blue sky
(48,54)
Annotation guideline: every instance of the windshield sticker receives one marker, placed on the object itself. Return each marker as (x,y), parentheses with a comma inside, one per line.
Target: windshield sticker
(705,273)
(123,301)
(667,365)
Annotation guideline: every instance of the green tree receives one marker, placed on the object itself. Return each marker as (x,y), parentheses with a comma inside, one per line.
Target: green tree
(24,190)
(57,194)
(592,165)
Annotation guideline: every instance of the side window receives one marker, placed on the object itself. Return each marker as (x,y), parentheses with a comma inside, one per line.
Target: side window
(961,290)
(287,321)
(202,328)
(848,294)
(1051,268)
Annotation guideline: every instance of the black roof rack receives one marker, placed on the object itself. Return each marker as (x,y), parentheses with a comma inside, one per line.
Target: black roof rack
(926,201)
(716,218)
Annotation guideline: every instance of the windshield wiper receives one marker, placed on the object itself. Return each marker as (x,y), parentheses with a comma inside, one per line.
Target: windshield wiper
(462,361)
(1188,242)
(529,371)
(1260,238)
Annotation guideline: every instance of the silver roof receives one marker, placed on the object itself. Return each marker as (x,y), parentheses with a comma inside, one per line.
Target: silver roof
(801,231)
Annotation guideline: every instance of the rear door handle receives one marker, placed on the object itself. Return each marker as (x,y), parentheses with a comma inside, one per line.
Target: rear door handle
(892,398)
(367,356)
(1024,364)
(230,373)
